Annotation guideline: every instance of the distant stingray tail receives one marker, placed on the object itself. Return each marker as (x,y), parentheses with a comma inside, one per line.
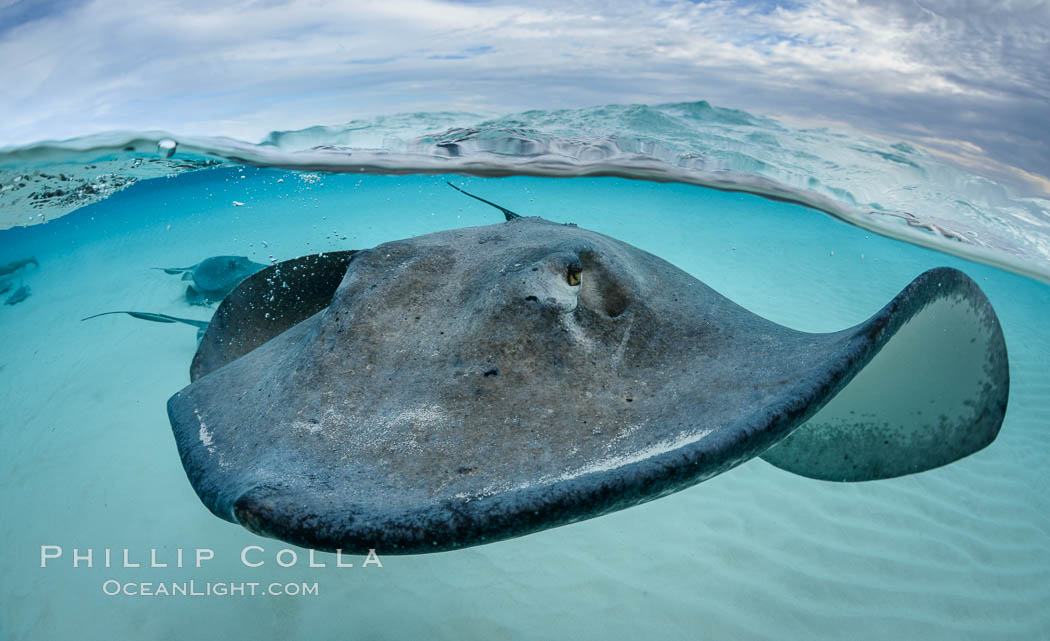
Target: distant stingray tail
(506,212)
(160,318)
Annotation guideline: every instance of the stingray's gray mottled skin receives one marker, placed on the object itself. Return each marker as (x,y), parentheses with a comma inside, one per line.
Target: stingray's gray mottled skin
(472,385)
(213,278)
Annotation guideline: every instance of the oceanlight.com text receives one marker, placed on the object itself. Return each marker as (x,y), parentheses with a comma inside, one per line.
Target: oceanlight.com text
(193,588)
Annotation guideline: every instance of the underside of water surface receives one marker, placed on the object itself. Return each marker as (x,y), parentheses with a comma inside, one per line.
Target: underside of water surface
(887,186)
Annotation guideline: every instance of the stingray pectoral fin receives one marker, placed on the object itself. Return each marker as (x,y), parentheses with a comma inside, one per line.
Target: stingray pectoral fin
(267,303)
(930,386)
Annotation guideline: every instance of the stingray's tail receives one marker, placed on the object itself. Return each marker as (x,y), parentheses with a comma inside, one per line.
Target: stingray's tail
(160,318)
(508,214)
(174,270)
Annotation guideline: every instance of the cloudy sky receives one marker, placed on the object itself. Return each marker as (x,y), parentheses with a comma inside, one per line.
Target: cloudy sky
(966,78)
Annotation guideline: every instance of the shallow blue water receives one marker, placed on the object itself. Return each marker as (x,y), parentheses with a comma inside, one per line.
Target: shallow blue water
(960,552)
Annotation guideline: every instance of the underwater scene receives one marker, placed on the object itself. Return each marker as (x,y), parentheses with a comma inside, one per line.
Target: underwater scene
(524,319)
(457,463)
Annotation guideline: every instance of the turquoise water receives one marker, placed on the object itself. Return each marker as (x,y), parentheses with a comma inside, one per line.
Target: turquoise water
(960,552)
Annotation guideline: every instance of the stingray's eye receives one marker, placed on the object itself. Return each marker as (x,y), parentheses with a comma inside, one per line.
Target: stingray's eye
(574,274)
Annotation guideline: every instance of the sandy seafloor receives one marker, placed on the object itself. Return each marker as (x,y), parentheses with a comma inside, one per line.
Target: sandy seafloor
(88,459)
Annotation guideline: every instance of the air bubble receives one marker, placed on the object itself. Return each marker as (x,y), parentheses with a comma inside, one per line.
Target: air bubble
(167,147)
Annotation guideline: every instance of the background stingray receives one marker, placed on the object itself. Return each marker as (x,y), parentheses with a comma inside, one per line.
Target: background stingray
(8,272)
(280,297)
(18,295)
(213,278)
(477,384)
(15,265)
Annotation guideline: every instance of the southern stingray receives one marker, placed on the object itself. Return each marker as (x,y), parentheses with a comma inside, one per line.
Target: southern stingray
(213,278)
(18,296)
(7,280)
(477,384)
(15,265)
